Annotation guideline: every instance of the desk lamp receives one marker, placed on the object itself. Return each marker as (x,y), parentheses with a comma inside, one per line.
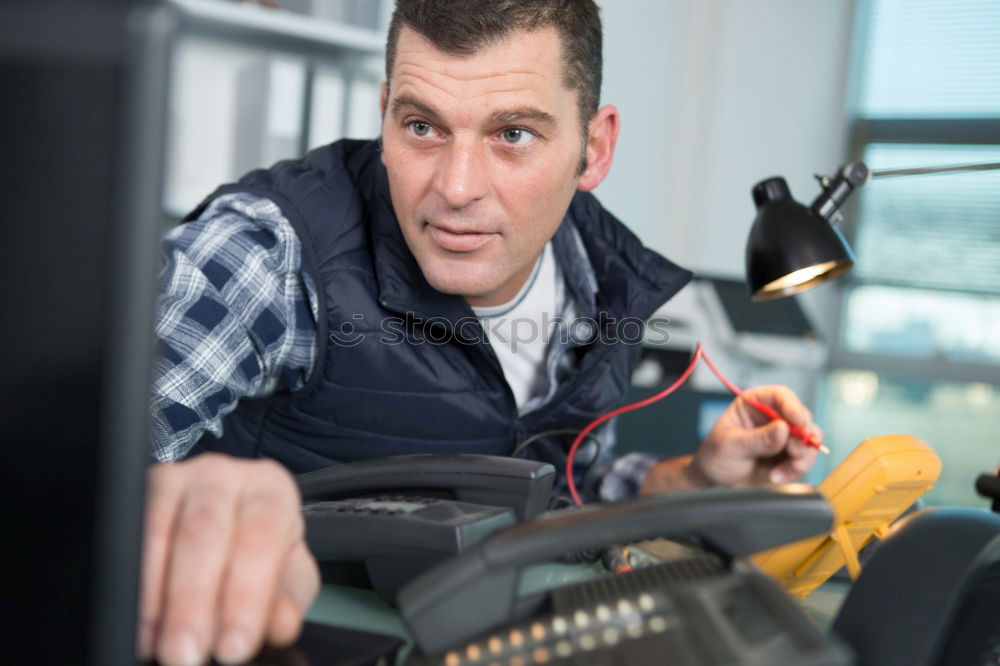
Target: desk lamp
(792,247)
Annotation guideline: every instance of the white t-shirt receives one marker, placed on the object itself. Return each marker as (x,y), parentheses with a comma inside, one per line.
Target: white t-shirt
(520,330)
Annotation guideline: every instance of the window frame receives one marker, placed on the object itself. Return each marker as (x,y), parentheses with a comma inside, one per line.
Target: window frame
(912,131)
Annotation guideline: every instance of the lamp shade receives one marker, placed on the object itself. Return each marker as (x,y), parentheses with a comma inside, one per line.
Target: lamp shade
(791,248)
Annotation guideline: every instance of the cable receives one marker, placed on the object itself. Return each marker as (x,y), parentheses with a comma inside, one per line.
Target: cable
(807,438)
(796,431)
(615,559)
(563,431)
(531,440)
(571,484)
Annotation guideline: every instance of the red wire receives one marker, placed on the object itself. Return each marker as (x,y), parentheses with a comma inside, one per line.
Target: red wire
(796,431)
(621,410)
(807,438)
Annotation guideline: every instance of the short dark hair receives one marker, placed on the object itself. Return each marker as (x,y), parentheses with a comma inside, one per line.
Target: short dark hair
(465,27)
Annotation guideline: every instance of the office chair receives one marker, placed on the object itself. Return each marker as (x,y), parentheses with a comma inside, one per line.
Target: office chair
(930,594)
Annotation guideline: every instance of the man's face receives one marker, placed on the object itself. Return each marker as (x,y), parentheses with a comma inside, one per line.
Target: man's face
(482,154)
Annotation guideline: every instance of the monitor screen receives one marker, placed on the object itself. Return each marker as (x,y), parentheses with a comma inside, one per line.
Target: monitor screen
(80,166)
(783,316)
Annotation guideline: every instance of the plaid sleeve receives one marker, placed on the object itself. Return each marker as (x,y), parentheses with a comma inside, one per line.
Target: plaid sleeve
(235,318)
(610,478)
(623,477)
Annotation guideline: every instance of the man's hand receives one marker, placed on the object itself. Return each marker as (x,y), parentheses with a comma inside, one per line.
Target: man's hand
(225,566)
(744,447)
(747,448)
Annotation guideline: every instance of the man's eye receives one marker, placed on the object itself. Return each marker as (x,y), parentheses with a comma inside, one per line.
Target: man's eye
(516,136)
(420,128)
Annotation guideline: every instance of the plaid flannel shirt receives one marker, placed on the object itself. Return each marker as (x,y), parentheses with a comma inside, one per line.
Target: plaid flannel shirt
(236,318)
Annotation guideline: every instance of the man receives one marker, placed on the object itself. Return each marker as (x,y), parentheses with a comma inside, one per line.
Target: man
(472,212)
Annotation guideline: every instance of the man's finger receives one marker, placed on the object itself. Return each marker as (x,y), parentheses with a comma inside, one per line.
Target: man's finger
(800,459)
(766,440)
(799,450)
(804,462)
(285,622)
(299,586)
(197,562)
(788,471)
(816,432)
(796,448)
(267,528)
(784,401)
(301,579)
(164,487)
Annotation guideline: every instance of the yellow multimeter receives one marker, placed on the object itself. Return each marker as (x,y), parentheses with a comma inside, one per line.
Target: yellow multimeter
(876,483)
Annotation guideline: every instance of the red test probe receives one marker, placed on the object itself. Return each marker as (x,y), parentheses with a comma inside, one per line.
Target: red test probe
(807,438)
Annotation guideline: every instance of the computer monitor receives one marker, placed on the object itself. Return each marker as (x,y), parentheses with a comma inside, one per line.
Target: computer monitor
(780,317)
(81,154)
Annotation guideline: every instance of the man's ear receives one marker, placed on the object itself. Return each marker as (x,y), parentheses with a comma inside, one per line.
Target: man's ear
(601,139)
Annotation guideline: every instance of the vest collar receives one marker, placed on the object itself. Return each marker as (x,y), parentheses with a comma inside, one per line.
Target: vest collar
(632,280)
(401,284)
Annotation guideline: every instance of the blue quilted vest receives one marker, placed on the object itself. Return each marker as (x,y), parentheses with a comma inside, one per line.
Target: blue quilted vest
(412,372)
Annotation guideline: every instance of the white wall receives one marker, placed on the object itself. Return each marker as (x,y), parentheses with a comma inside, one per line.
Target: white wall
(716,95)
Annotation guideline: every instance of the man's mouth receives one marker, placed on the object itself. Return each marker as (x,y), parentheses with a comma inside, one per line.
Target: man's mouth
(455,239)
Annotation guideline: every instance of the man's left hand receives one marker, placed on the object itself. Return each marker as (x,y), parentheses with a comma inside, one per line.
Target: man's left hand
(747,448)
(744,447)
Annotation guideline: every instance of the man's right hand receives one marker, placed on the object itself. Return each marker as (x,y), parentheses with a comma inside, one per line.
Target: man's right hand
(225,565)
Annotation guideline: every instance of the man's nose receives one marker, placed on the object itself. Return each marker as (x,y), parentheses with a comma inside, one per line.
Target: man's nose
(461,173)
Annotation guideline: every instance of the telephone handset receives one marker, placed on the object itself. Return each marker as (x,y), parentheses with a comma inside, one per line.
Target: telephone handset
(521,485)
(382,522)
(477,591)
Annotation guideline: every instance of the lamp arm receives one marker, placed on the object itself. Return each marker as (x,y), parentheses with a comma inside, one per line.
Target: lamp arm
(919,171)
(851,176)
(838,188)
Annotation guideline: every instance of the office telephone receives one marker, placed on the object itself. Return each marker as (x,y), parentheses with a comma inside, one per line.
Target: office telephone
(381,522)
(449,537)
(480,603)
(705,609)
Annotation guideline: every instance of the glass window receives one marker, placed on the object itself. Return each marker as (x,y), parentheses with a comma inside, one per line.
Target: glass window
(929,58)
(920,323)
(961,421)
(937,230)
(919,343)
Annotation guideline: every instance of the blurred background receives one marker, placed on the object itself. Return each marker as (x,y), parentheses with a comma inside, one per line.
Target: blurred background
(715,95)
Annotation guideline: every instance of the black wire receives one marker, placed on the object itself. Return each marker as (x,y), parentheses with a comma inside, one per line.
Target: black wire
(531,440)
(580,557)
(594,459)
(564,431)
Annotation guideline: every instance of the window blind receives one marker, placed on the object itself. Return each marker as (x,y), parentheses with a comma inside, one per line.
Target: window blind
(936,231)
(929,58)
